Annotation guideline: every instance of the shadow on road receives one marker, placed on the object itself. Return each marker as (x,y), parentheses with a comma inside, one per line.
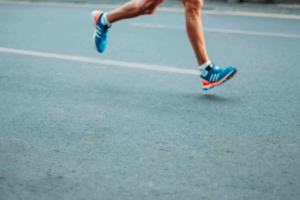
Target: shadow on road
(212,98)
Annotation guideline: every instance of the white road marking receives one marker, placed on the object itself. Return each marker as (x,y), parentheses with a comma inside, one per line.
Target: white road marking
(102,62)
(217,30)
(251,14)
(161,9)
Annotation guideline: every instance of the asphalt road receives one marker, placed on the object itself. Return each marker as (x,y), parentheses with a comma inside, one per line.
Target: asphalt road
(80,130)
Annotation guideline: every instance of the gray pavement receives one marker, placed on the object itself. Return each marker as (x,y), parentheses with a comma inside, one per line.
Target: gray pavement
(290,9)
(77,130)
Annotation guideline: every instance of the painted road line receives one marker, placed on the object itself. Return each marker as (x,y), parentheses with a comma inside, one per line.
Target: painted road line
(102,62)
(250,14)
(161,9)
(217,30)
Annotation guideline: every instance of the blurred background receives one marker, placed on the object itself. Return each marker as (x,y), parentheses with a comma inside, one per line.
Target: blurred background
(263,6)
(177,2)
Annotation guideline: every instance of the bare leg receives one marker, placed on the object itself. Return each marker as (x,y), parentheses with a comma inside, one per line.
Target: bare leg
(194,28)
(133,9)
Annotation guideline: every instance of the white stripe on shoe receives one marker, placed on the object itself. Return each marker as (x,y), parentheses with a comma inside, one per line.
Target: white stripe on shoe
(95,34)
(211,77)
(216,78)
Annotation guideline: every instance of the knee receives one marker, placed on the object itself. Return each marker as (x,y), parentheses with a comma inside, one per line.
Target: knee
(147,7)
(193,5)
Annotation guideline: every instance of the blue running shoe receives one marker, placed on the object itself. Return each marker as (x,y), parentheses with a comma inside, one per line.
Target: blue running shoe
(216,75)
(100,34)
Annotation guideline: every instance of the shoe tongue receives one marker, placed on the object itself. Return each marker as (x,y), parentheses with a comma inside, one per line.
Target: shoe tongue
(211,66)
(208,67)
(106,27)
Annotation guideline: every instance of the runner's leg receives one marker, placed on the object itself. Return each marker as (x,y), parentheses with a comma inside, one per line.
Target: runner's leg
(103,21)
(211,75)
(133,9)
(194,28)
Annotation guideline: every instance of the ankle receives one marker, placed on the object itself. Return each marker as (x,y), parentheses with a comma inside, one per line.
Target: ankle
(203,67)
(104,20)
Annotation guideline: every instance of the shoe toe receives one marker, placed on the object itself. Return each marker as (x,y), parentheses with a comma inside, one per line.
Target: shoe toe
(100,47)
(100,44)
(229,69)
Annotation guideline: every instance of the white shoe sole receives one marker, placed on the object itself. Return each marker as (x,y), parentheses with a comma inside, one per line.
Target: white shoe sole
(94,35)
(93,23)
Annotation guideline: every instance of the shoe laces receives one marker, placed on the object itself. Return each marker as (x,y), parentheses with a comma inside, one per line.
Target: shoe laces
(213,67)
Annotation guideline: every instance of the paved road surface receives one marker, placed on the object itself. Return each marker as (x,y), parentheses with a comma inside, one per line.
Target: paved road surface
(86,130)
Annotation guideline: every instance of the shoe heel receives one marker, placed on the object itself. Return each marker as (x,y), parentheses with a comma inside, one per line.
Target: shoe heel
(93,16)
